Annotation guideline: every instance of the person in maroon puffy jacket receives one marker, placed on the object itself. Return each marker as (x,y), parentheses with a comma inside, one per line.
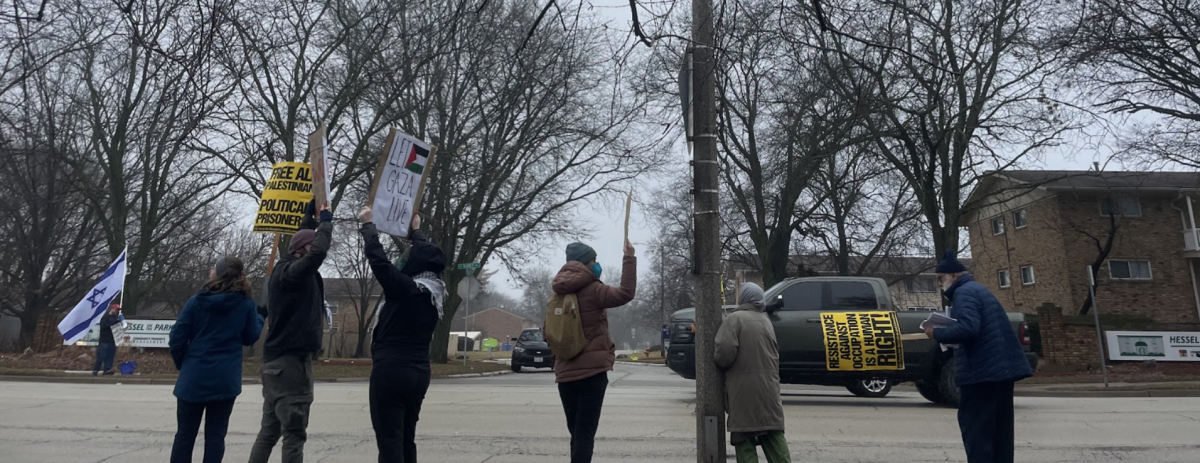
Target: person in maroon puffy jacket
(583,379)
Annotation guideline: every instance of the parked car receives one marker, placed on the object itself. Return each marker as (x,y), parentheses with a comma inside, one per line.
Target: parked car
(531,350)
(794,307)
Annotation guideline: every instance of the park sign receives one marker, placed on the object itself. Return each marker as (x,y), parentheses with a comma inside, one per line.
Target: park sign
(1162,346)
(138,333)
(285,198)
(400,182)
(862,341)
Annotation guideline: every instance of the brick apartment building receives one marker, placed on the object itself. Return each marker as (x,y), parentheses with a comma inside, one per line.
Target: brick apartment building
(1033,233)
(497,323)
(911,280)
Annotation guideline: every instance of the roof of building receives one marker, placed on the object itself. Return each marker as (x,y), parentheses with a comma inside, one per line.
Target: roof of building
(888,266)
(1104,180)
(481,312)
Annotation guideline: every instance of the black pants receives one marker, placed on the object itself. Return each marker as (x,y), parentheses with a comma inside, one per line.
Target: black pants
(105,354)
(985,416)
(287,384)
(397,391)
(582,401)
(216,423)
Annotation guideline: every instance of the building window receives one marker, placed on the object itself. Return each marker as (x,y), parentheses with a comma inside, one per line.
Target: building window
(1005,278)
(922,309)
(1129,269)
(1027,275)
(1121,206)
(921,285)
(998,226)
(1020,220)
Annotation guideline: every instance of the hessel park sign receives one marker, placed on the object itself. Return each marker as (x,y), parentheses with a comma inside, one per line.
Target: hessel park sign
(1163,346)
(138,333)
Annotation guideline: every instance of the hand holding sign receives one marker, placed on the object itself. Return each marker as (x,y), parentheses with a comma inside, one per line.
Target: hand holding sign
(366,216)
(629,251)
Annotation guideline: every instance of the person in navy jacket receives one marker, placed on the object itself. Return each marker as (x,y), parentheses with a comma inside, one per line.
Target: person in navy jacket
(988,361)
(206,345)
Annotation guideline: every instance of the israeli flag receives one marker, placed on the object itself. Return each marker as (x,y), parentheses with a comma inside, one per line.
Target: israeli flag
(85,314)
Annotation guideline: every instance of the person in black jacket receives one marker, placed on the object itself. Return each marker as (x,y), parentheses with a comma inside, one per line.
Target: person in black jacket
(206,345)
(106,349)
(295,317)
(400,348)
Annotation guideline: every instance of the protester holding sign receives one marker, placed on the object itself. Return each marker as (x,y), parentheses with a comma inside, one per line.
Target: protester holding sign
(746,348)
(400,371)
(988,361)
(106,349)
(296,311)
(206,345)
(583,379)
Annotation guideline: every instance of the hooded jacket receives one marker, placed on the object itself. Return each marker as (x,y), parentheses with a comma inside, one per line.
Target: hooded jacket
(206,345)
(408,316)
(296,307)
(594,298)
(747,349)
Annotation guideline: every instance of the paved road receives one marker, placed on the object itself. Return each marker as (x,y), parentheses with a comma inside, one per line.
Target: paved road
(647,417)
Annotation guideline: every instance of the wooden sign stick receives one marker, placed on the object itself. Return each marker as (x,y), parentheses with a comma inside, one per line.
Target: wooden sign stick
(387,151)
(628,204)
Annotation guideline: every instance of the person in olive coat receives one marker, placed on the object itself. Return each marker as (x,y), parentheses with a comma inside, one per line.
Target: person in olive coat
(746,348)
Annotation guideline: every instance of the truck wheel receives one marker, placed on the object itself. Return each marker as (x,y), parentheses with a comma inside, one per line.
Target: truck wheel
(873,388)
(516,368)
(688,374)
(947,388)
(930,391)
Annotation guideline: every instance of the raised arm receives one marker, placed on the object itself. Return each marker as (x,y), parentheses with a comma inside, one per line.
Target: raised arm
(311,262)
(616,296)
(389,277)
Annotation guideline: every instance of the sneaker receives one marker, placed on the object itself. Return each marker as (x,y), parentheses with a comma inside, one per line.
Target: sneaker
(94,373)
(110,373)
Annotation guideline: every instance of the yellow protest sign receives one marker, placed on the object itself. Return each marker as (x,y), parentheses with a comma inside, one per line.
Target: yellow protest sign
(861,341)
(284,198)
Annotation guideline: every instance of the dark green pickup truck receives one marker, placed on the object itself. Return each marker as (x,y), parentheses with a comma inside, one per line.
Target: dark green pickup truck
(795,306)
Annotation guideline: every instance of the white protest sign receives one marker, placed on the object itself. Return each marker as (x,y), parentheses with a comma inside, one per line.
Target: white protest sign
(400,182)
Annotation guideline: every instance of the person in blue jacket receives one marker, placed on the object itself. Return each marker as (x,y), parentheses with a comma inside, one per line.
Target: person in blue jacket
(988,361)
(206,345)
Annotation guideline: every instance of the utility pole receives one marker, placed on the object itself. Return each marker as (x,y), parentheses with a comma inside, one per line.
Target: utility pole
(710,384)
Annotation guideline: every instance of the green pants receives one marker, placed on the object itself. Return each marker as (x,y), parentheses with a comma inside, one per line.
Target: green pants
(774,446)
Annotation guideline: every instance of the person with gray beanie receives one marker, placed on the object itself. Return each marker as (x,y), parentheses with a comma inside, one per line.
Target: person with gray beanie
(748,352)
(296,312)
(583,379)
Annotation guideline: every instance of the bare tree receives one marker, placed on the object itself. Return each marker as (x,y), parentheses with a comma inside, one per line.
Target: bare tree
(143,81)
(780,120)
(49,233)
(536,290)
(357,280)
(1142,57)
(522,142)
(869,212)
(956,88)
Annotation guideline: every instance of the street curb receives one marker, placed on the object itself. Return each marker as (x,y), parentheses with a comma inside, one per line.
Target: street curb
(481,375)
(1110,394)
(643,364)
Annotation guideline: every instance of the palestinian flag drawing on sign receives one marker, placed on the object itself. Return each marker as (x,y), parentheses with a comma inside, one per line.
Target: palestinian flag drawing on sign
(417,159)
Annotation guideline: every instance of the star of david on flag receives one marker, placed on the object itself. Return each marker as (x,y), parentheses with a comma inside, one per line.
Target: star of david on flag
(88,311)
